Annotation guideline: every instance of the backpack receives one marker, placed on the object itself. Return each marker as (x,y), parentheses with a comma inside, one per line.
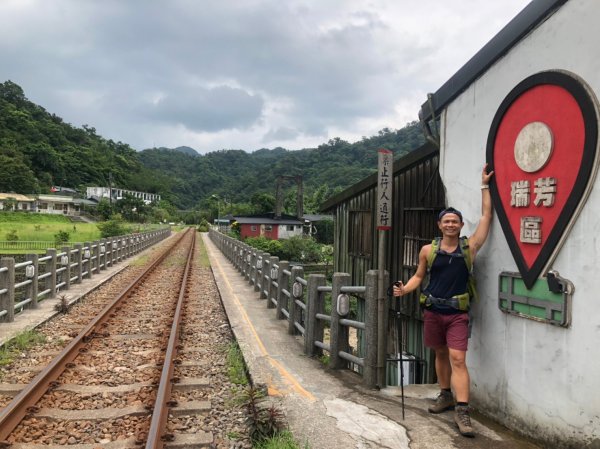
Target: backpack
(464,299)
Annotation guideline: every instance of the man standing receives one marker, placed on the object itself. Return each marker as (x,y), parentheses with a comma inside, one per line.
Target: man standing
(446,300)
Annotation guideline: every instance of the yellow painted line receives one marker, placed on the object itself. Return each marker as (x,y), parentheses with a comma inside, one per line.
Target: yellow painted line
(284,373)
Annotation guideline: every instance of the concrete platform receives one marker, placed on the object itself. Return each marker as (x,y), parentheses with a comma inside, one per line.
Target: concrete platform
(330,409)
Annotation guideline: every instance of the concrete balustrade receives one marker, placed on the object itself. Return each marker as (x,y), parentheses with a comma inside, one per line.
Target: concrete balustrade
(54,272)
(302,302)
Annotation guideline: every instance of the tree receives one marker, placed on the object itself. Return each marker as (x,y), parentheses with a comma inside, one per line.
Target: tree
(132,208)
(9,204)
(12,93)
(15,176)
(104,209)
(111,228)
(263,203)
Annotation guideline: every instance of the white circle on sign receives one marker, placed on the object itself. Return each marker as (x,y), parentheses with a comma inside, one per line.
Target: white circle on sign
(533,146)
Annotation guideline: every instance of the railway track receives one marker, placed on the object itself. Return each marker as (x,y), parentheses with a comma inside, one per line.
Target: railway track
(133,371)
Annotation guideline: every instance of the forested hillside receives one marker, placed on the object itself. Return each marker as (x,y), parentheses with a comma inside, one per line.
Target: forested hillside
(38,150)
(238,175)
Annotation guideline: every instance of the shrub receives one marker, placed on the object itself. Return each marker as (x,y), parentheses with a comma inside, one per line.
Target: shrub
(203,226)
(12,236)
(60,238)
(273,247)
(264,421)
(295,249)
(234,230)
(301,249)
(111,228)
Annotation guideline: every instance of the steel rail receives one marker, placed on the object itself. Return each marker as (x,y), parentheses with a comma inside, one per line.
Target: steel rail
(156,434)
(19,407)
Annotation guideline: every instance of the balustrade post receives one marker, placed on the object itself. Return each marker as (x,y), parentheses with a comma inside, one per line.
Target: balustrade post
(283,283)
(313,327)
(102,250)
(273,274)
(264,275)
(78,249)
(113,251)
(370,366)
(247,261)
(120,248)
(87,251)
(239,255)
(259,262)
(338,333)
(32,289)
(251,265)
(7,280)
(96,255)
(67,271)
(296,294)
(51,268)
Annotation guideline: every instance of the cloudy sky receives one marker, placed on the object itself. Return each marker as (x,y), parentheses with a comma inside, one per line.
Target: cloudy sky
(244,74)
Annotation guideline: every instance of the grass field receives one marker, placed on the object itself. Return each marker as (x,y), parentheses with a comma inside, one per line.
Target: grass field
(43,227)
(30,227)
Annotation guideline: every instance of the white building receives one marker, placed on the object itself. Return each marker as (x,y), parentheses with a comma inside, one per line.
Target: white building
(21,202)
(117,194)
(528,104)
(57,205)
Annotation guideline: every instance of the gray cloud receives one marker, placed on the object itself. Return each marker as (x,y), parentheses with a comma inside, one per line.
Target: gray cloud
(216,74)
(201,109)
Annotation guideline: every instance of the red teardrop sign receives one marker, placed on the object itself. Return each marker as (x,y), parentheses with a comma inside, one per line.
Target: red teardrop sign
(542,147)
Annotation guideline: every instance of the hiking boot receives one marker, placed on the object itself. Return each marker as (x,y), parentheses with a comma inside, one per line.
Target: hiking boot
(444,401)
(463,421)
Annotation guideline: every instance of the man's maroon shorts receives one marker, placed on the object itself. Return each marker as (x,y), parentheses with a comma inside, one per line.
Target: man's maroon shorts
(447,330)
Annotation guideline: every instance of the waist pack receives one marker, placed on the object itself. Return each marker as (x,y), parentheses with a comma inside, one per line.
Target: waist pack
(459,302)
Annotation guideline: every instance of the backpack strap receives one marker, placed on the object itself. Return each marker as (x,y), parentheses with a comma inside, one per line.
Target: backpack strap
(466,252)
(435,246)
(471,284)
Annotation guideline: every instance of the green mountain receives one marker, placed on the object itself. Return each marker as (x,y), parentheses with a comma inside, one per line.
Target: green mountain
(185,150)
(38,150)
(238,175)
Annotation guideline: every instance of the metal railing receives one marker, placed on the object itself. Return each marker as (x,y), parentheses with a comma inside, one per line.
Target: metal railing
(302,302)
(17,245)
(23,285)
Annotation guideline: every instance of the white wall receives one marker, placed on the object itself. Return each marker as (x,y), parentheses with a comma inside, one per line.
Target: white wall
(284,233)
(539,378)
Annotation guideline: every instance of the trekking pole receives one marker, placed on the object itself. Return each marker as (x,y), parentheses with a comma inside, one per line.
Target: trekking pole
(398,343)
(401,352)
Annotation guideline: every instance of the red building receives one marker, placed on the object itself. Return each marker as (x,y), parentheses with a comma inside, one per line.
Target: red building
(268,226)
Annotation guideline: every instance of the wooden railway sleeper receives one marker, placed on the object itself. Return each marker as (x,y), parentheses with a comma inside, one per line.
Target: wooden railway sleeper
(22,408)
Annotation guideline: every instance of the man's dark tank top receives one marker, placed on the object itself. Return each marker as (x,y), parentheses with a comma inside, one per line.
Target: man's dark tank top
(448,276)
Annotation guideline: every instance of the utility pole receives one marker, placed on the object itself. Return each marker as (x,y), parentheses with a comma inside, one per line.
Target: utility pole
(299,195)
(110,189)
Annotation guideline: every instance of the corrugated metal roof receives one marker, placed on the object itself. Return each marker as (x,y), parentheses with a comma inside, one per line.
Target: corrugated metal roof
(317,217)
(55,198)
(267,219)
(84,202)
